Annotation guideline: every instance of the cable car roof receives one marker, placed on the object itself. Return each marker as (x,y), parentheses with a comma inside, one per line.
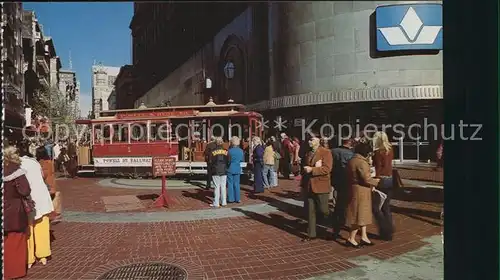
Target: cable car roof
(201,108)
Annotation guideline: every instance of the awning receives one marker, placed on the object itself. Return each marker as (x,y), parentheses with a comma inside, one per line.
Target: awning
(17,128)
(350,96)
(83,121)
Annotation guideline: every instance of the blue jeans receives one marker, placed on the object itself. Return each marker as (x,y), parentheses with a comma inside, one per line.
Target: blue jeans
(233,188)
(270,176)
(274,177)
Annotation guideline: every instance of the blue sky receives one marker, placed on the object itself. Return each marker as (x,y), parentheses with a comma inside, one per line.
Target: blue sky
(90,31)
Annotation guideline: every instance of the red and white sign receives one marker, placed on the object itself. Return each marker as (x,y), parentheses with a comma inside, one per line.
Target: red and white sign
(122,162)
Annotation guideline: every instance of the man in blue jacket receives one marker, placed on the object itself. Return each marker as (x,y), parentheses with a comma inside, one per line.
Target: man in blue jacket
(236,157)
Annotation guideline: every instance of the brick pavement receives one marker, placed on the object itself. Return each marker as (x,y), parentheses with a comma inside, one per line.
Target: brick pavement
(85,194)
(255,245)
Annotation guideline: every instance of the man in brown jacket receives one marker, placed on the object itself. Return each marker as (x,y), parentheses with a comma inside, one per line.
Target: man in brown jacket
(317,169)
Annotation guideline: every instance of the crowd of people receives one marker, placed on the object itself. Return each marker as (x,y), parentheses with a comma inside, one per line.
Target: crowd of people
(224,166)
(31,204)
(358,176)
(63,153)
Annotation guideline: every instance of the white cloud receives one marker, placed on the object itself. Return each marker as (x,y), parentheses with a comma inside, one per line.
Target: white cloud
(85,104)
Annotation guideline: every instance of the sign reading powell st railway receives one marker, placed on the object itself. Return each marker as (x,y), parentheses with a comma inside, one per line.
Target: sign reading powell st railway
(409,27)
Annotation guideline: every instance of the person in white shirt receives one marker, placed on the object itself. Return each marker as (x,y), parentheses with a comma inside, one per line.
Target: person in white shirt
(57,152)
(32,147)
(39,239)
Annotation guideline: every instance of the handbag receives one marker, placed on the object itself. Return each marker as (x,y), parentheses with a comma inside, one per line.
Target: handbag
(28,203)
(397,182)
(56,201)
(295,169)
(385,183)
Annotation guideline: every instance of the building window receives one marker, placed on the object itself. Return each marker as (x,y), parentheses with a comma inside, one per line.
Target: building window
(101,81)
(111,81)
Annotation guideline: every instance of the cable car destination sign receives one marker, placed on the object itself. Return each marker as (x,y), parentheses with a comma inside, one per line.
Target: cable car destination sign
(157,114)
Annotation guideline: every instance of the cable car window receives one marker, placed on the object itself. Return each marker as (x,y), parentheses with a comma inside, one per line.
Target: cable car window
(138,132)
(160,131)
(120,133)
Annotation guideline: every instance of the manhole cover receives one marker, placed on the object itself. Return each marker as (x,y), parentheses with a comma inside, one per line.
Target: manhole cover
(146,271)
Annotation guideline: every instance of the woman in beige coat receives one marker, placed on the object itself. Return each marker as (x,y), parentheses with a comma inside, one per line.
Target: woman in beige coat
(359,209)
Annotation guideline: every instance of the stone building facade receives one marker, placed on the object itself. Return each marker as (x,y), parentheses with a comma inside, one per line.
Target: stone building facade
(69,85)
(124,87)
(12,65)
(167,73)
(312,60)
(112,100)
(103,83)
(41,63)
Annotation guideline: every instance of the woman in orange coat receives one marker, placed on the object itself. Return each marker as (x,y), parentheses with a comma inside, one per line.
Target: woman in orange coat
(49,177)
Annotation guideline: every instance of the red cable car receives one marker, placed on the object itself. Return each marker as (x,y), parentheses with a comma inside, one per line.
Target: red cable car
(123,142)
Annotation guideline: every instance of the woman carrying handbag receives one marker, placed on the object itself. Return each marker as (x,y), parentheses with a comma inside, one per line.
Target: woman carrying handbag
(16,191)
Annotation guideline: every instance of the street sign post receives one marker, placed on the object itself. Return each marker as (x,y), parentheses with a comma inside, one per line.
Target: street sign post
(163,166)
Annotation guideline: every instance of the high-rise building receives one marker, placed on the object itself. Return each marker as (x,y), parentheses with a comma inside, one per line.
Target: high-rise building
(103,83)
(13,62)
(78,111)
(70,87)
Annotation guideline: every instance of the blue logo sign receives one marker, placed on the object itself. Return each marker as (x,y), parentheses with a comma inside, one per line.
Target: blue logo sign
(409,27)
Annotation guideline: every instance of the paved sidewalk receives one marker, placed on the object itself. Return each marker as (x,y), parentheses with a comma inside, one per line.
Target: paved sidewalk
(257,239)
(426,263)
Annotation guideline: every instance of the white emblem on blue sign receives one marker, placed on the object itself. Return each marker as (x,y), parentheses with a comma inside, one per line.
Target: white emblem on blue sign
(409,27)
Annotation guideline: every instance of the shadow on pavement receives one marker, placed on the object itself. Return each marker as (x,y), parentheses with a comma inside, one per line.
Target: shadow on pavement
(147,196)
(417,194)
(426,216)
(196,184)
(288,194)
(298,212)
(292,227)
(52,236)
(202,195)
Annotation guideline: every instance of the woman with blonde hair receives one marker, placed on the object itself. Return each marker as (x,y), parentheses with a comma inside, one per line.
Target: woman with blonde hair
(16,191)
(39,239)
(383,156)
